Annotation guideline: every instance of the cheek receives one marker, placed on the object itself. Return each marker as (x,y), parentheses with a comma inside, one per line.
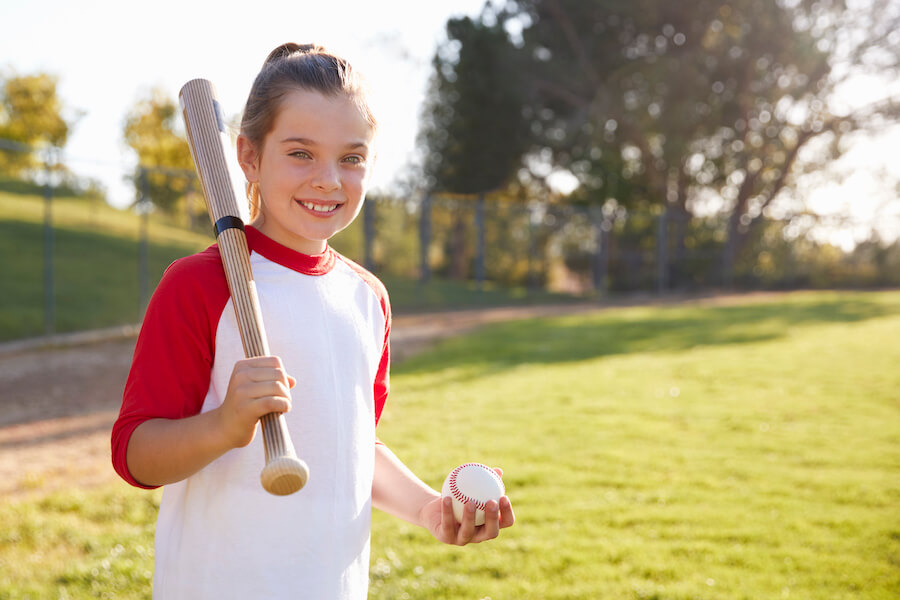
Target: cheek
(357,183)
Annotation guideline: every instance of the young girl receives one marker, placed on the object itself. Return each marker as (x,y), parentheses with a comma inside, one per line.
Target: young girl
(191,404)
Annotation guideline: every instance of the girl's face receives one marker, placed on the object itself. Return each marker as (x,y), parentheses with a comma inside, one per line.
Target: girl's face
(313,169)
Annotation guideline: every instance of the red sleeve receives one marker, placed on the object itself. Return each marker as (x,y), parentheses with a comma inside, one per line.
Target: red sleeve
(383,376)
(173,357)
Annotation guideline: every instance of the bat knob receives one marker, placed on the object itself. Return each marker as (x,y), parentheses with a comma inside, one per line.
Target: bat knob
(284,475)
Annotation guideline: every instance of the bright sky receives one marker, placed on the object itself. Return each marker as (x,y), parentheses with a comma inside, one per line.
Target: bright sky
(109,53)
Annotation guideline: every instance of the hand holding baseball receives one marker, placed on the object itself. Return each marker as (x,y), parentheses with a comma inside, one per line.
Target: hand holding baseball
(441,518)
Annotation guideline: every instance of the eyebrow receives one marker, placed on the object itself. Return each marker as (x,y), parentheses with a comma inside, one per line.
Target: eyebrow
(308,142)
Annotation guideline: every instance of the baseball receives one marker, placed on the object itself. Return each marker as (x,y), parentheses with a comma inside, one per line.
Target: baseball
(472,481)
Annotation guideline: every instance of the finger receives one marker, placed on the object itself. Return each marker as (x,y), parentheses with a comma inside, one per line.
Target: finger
(507,516)
(448,520)
(268,374)
(260,362)
(467,528)
(269,361)
(250,401)
(491,527)
(271,404)
(292,381)
(253,391)
(251,371)
(499,472)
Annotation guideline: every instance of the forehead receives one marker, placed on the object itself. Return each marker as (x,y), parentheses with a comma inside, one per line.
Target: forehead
(322,118)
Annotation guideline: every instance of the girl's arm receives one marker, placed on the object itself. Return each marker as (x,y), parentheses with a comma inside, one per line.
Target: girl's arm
(163,451)
(398,491)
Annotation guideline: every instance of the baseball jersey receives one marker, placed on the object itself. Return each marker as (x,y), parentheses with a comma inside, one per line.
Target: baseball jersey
(219,534)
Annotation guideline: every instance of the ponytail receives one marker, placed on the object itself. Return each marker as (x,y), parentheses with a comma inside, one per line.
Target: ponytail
(286,50)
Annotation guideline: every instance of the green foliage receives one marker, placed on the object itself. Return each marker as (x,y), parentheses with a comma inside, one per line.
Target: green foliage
(30,116)
(166,171)
(474,129)
(710,450)
(395,243)
(661,104)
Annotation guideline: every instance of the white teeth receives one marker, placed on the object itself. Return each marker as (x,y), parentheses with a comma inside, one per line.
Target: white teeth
(319,207)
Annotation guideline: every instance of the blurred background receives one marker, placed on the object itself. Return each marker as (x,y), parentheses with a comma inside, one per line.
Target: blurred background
(630,172)
(528,149)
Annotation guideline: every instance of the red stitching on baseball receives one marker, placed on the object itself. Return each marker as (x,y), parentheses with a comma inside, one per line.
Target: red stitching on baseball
(454,490)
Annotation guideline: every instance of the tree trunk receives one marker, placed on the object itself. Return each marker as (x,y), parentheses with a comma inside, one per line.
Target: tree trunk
(678,213)
(736,235)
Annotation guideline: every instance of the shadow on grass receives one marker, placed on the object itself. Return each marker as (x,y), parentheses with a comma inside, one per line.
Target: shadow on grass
(645,329)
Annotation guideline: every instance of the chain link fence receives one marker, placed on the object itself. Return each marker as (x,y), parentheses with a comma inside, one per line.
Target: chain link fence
(72,263)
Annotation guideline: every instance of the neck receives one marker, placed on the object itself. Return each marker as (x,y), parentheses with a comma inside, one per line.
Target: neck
(287,238)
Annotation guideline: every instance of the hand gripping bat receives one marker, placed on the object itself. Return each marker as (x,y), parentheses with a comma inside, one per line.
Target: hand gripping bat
(284,473)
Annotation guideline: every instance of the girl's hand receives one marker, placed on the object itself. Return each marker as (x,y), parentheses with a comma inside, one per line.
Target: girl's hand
(437,516)
(258,386)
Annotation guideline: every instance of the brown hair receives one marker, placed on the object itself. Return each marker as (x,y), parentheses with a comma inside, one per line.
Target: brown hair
(290,67)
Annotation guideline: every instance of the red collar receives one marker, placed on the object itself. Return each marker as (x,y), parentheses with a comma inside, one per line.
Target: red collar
(308,264)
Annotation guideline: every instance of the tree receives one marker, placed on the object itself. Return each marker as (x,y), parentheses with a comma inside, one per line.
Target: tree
(165,170)
(697,99)
(786,105)
(30,118)
(473,128)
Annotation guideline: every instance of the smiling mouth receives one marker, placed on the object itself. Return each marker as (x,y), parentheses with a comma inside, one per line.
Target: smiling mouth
(319,208)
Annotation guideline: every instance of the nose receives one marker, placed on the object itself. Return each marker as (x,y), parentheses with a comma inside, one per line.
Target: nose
(327,178)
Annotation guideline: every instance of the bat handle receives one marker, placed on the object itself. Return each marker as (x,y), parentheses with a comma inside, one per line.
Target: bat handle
(284,473)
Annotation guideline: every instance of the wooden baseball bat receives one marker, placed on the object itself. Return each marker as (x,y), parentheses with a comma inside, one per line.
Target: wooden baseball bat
(284,473)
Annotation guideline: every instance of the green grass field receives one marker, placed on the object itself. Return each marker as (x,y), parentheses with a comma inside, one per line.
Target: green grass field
(742,451)
(97,272)
(95,262)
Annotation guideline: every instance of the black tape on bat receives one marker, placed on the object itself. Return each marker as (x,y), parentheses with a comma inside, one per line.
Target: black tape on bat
(228,222)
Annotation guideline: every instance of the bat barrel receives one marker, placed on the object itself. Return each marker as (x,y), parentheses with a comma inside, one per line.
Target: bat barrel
(284,473)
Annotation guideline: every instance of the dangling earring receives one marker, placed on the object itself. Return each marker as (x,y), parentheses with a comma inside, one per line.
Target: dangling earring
(253,198)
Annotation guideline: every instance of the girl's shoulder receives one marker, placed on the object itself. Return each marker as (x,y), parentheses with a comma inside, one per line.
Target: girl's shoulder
(367,276)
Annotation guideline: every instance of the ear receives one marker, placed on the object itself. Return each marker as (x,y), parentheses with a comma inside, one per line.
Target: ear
(248,157)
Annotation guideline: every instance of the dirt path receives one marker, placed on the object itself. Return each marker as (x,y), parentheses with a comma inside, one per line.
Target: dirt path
(57,406)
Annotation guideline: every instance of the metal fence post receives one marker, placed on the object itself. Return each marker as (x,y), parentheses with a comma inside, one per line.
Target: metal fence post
(49,293)
(369,235)
(533,222)
(662,246)
(480,271)
(425,239)
(143,245)
(601,251)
